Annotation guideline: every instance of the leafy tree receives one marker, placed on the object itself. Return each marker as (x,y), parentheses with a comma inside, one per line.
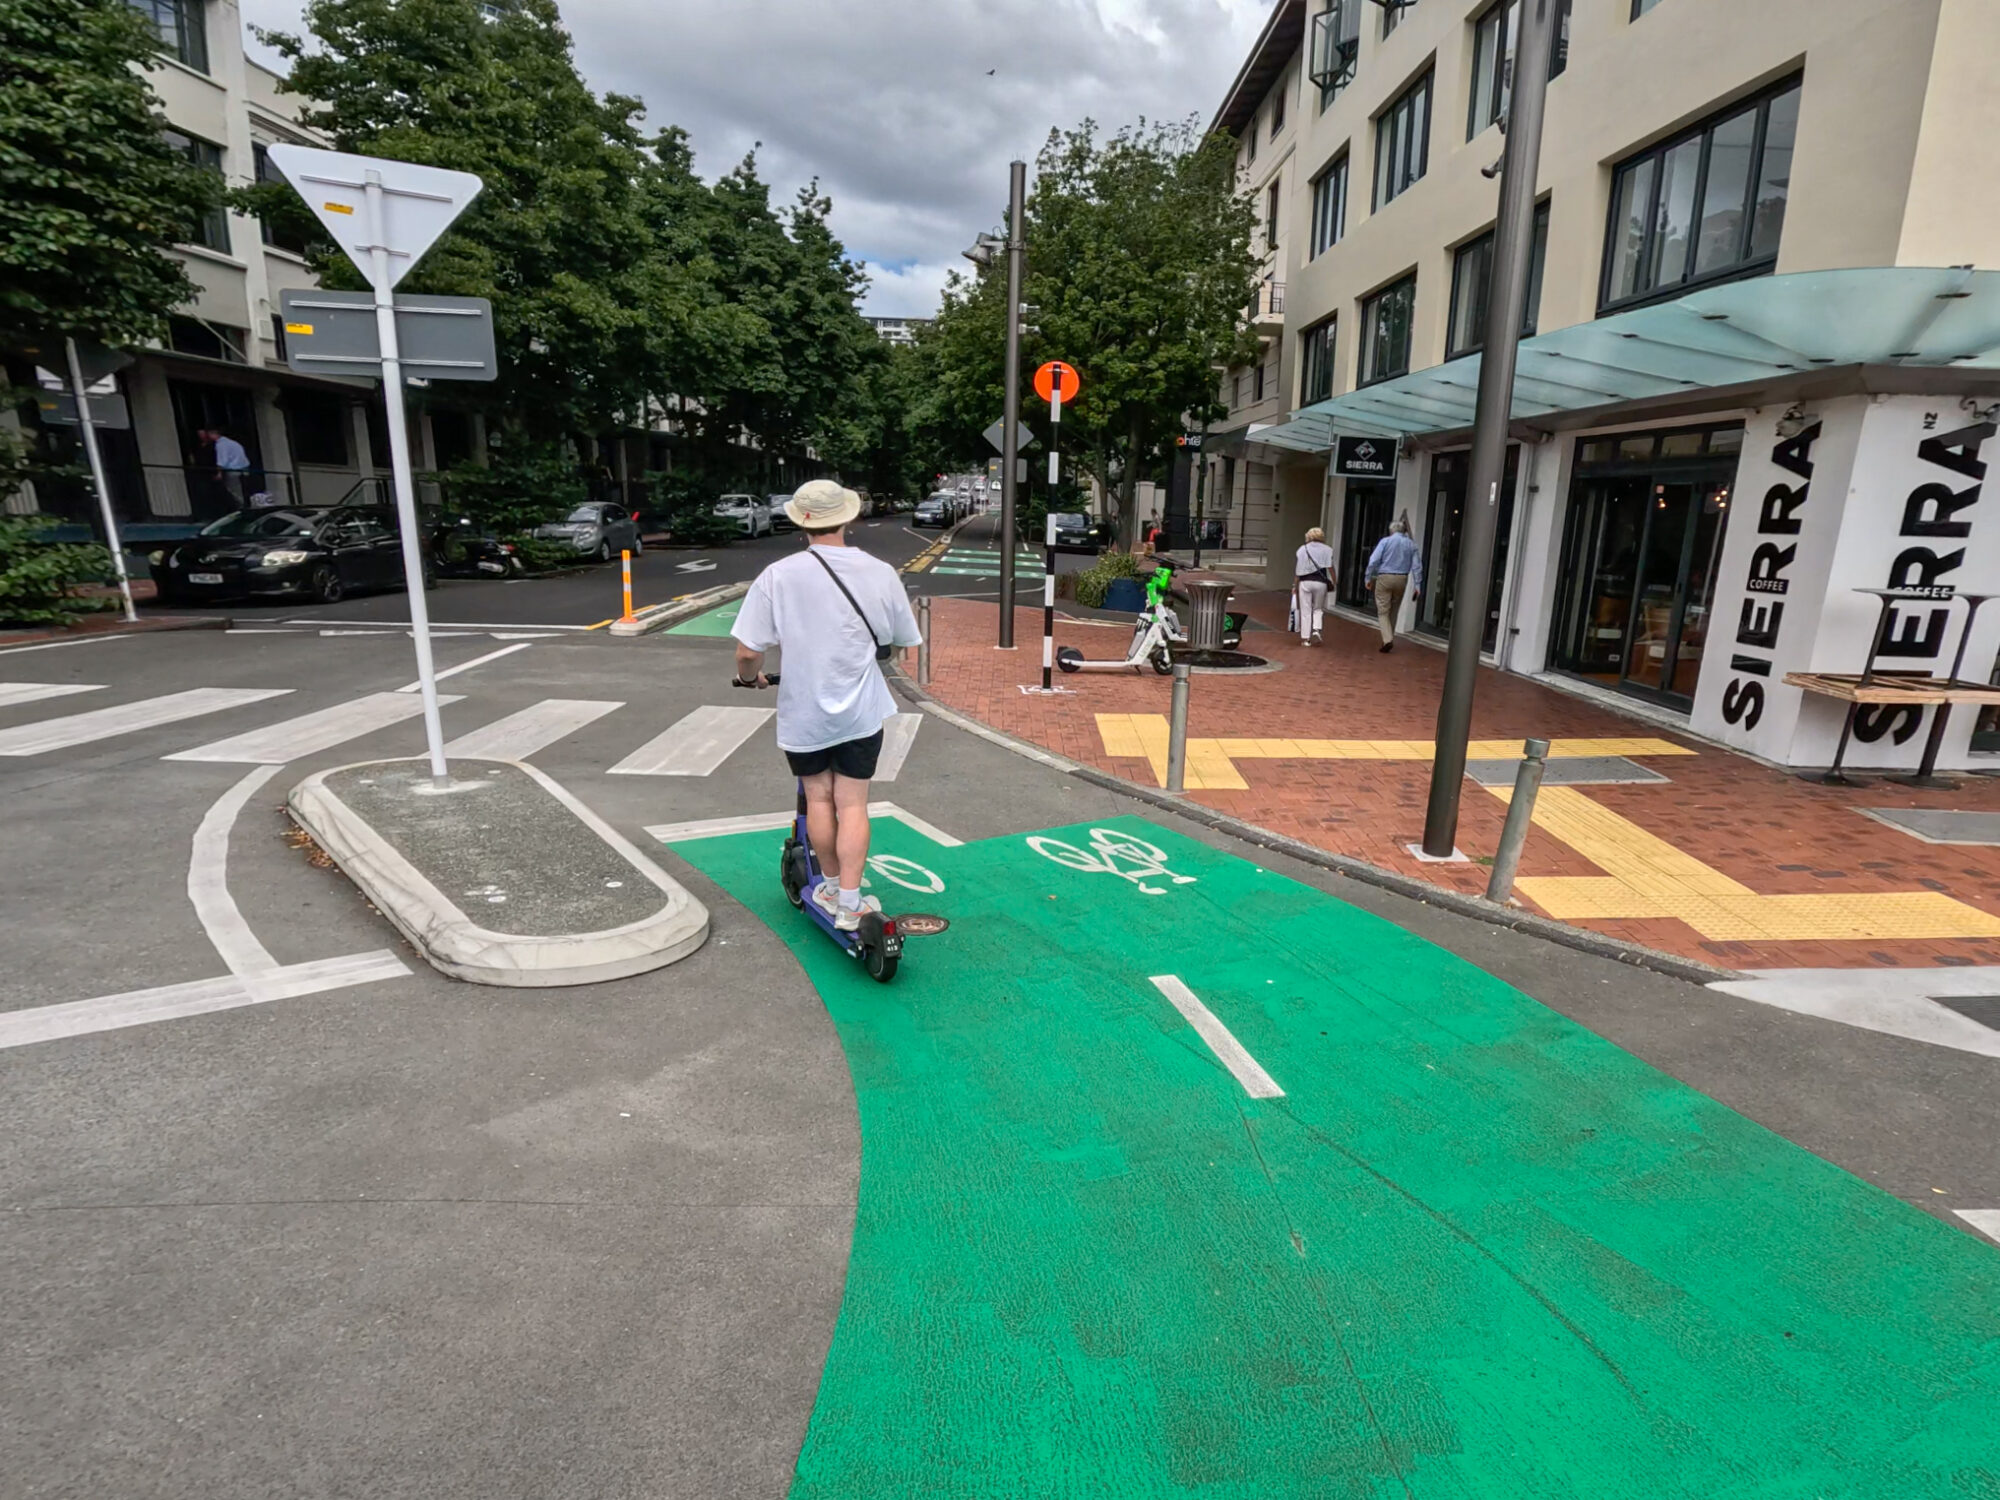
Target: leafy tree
(91,194)
(40,579)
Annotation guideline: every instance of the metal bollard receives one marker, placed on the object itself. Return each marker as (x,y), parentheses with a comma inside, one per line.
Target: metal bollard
(1520,811)
(924,645)
(1177,731)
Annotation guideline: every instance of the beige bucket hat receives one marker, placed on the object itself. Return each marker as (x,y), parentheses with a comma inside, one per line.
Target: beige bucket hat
(820,503)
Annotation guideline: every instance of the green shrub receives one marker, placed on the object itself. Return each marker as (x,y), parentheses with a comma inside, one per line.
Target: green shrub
(684,507)
(39,578)
(541,554)
(522,487)
(1092,581)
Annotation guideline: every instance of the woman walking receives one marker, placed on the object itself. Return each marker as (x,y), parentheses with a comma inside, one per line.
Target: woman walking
(1313,577)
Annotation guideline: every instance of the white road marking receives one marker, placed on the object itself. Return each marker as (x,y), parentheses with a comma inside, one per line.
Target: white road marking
(1985,1220)
(58,645)
(898,735)
(1897,1002)
(405,631)
(126,718)
(208,881)
(48,1023)
(12,693)
(1228,1051)
(536,727)
(465,666)
(710,828)
(404,625)
(697,744)
(293,739)
(524,635)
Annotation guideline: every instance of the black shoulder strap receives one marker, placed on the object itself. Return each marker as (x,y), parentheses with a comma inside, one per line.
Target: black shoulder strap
(813,553)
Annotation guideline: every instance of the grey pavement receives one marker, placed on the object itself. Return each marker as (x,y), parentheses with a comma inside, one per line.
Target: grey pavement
(420,1238)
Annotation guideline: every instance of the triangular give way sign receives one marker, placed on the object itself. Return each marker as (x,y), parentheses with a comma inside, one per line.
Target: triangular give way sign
(417,204)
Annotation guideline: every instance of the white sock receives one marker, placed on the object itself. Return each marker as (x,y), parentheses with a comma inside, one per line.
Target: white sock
(850,900)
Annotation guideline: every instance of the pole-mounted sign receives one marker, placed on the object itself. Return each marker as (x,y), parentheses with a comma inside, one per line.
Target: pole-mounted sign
(385,215)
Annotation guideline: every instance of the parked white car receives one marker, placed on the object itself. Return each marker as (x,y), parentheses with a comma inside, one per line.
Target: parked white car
(751,515)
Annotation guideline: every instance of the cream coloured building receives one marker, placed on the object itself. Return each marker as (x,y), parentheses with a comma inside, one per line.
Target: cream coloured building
(1751,216)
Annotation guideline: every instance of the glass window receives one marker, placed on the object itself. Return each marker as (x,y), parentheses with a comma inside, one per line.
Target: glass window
(276,237)
(1385,331)
(1471,284)
(1316,362)
(1250,140)
(1708,205)
(1257,382)
(1278,108)
(207,339)
(1403,142)
(1392,14)
(318,427)
(1493,37)
(212,230)
(1334,48)
(1272,200)
(1329,207)
(1640,7)
(182,27)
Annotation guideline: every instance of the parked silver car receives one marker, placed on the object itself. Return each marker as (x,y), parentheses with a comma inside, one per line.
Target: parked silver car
(596,530)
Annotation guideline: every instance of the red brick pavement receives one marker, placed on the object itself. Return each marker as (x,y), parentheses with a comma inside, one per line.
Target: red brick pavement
(1770,831)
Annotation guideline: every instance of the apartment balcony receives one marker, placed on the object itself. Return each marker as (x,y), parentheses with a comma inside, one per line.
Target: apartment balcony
(1267,308)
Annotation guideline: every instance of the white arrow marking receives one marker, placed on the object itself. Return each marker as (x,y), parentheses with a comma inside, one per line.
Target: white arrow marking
(699,565)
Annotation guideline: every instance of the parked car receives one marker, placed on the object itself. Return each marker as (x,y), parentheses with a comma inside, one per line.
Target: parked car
(939,510)
(284,552)
(779,520)
(596,530)
(1077,532)
(751,515)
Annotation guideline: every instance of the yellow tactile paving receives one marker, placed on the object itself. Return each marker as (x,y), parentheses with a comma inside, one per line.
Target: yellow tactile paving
(1650,878)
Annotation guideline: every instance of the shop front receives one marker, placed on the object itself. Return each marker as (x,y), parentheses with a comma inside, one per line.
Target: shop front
(1444,525)
(1369,507)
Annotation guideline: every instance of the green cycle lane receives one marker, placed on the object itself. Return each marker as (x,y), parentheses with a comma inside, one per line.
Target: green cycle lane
(715,622)
(1472,1249)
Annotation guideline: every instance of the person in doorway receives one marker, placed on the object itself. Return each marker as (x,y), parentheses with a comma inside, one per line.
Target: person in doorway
(835,614)
(1312,578)
(232,463)
(1394,568)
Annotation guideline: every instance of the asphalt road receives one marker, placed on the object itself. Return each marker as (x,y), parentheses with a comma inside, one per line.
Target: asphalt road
(413,1238)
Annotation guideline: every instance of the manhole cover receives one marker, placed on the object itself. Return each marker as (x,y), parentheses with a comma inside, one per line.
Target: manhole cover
(920,924)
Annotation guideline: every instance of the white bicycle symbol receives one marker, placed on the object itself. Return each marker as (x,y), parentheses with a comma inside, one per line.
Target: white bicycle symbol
(1109,852)
(907,873)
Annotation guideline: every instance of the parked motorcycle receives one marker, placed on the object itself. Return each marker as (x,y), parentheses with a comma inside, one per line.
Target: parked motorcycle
(460,548)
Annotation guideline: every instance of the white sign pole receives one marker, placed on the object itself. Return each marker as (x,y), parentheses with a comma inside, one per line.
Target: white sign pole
(399,468)
(89,430)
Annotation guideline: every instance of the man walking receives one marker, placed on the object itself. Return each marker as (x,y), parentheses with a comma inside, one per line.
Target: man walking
(835,614)
(231,461)
(1393,568)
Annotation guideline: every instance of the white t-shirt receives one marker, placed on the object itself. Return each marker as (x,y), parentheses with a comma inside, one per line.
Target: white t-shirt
(830,688)
(1312,557)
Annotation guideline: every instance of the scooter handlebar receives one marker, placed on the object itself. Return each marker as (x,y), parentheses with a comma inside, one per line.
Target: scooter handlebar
(770,680)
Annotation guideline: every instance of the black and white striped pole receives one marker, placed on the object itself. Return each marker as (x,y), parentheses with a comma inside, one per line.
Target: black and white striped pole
(1049,539)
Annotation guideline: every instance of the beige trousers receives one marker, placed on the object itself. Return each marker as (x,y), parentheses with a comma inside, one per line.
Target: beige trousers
(1389,589)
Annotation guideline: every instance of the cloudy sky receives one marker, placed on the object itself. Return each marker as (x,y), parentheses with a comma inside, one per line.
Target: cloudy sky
(890,102)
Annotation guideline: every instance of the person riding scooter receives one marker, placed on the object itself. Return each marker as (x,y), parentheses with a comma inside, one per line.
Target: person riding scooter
(836,614)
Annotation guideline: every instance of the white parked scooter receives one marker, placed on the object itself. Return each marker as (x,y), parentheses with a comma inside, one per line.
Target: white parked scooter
(1156,633)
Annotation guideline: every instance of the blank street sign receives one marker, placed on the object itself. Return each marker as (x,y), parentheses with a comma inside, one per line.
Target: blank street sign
(442,338)
(418,203)
(997,435)
(58,409)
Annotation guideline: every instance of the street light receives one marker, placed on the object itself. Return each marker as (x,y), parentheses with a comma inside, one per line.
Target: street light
(985,250)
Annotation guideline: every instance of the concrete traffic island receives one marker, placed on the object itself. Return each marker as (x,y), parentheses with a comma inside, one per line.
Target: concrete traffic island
(499,876)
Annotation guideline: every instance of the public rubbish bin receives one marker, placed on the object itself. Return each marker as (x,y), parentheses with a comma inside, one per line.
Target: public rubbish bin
(1207,599)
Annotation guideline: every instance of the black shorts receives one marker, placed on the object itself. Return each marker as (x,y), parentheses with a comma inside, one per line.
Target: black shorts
(855,759)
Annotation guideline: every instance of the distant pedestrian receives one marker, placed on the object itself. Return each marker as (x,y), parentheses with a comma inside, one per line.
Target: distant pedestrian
(232,463)
(1393,569)
(1312,578)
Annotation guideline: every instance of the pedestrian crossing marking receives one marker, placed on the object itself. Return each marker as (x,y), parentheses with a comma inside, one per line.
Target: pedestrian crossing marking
(12,693)
(697,744)
(126,718)
(310,733)
(520,735)
(898,735)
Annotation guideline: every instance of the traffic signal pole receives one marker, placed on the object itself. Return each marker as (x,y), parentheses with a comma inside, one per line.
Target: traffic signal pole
(1513,239)
(1010,446)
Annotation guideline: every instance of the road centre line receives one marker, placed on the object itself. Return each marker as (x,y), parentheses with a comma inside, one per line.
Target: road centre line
(48,1023)
(709,828)
(208,880)
(12,693)
(466,666)
(1228,1051)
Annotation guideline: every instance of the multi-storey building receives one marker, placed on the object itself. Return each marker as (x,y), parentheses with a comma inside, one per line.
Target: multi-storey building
(1754,384)
(898,330)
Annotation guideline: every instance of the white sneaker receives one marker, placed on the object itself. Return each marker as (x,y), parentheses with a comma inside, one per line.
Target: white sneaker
(827,895)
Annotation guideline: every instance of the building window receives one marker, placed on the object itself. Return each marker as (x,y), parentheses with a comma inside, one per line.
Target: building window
(1385,331)
(1250,141)
(1329,206)
(1707,205)
(1640,7)
(1257,382)
(1471,288)
(207,340)
(1316,362)
(276,236)
(182,28)
(1392,14)
(1278,108)
(1236,389)
(212,230)
(1493,36)
(1403,142)
(1271,203)
(318,426)
(1334,48)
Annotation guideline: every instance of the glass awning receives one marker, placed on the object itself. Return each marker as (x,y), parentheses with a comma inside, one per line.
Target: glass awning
(1744,332)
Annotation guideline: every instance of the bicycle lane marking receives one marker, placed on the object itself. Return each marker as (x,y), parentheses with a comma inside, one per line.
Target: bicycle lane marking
(1474,1249)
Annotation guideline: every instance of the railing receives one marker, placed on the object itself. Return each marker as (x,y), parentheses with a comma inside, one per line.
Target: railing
(175,492)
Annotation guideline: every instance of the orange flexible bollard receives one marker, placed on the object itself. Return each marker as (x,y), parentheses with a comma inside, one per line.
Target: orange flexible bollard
(626,560)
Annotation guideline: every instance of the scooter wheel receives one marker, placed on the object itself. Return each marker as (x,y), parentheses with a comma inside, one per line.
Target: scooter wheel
(793,873)
(1068,658)
(881,966)
(1163,663)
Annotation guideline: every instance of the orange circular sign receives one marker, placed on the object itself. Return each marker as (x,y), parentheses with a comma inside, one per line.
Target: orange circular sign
(1057,376)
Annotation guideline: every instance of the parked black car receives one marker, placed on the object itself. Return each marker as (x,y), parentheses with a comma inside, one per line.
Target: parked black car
(285,552)
(1077,532)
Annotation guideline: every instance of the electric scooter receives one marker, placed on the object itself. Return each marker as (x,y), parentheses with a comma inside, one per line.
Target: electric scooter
(1154,635)
(877,942)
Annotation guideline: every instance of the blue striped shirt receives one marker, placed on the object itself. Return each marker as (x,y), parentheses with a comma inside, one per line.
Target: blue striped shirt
(1396,553)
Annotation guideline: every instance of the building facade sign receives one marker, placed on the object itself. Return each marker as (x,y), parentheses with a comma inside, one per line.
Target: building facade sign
(1364,458)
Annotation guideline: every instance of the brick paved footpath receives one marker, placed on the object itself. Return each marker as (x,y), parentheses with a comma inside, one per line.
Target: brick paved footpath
(1729,861)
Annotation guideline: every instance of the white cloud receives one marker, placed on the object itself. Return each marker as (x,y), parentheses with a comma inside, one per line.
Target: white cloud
(890,102)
